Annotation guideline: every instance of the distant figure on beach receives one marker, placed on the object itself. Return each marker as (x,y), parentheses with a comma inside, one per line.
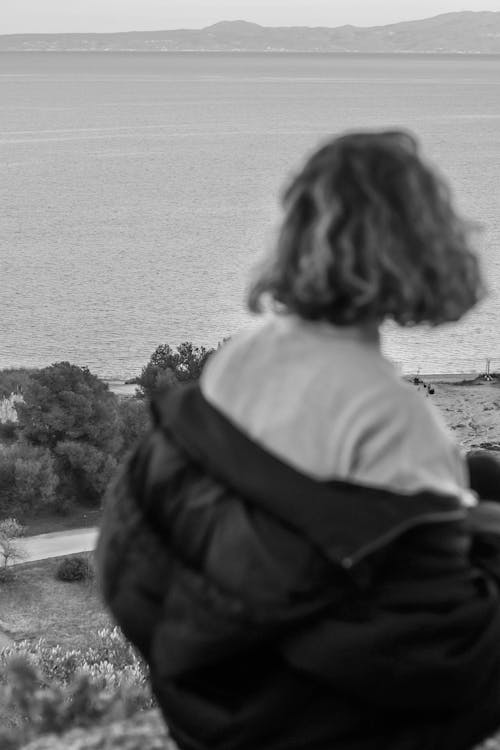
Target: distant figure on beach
(293,547)
(429,390)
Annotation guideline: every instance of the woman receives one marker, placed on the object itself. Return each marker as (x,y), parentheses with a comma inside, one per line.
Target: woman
(294,547)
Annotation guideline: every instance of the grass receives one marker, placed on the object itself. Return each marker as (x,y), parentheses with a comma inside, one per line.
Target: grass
(79,519)
(37,604)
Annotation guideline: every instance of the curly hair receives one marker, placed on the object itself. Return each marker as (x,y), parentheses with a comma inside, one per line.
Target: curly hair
(370,233)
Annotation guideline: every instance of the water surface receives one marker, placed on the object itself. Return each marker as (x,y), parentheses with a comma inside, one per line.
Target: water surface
(139,190)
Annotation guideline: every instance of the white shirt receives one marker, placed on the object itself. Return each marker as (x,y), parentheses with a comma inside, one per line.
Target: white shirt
(326,401)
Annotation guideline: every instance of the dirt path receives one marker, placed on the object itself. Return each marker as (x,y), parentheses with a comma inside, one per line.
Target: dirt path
(57,543)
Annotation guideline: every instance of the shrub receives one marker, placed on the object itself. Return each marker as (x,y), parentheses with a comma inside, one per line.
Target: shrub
(10,531)
(8,498)
(73,416)
(52,708)
(28,480)
(108,660)
(134,421)
(66,402)
(51,689)
(63,505)
(168,366)
(14,380)
(75,568)
(36,481)
(8,432)
(84,471)
(11,528)
(145,731)
(7,575)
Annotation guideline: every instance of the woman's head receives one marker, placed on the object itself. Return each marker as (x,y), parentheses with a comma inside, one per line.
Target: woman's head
(369,233)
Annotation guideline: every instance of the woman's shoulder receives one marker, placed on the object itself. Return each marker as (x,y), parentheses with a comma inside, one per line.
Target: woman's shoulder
(407,445)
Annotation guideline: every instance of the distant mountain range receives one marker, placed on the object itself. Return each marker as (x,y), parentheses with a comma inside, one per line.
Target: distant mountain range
(464,32)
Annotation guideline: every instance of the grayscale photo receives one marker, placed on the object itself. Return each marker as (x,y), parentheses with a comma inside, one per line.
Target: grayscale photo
(250,375)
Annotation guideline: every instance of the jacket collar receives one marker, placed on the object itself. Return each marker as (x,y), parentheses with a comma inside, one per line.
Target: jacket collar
(345,520)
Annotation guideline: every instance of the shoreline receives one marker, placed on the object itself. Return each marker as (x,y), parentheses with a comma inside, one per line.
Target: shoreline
(468,403)
(445,377)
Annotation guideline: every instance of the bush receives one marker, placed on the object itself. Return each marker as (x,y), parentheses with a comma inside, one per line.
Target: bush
(84,471)
(11,528)
(8,499)
(50,689)
(75,568)
(14,380)
(168,366)
(109,660)
(8,432)
(10,531)
(145,731)
(7,575)
(28,481)
(66,402)
(63,505)
(134,422)
(52,708)
(73,416)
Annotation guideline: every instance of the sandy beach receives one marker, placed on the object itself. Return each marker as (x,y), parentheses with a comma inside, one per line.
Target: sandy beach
(471,411)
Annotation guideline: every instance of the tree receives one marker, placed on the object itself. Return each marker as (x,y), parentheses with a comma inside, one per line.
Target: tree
(67,402)
(35,480)
(134,421)
(154,379)
(168,366)
(71,413)
(14,380)
(7,482)
(28,481)
(10,531)
(84,471)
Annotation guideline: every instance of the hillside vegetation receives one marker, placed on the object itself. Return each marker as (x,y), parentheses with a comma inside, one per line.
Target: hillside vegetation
(71,431)
(463,32)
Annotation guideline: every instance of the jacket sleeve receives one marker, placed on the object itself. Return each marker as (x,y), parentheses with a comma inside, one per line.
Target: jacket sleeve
(484,525)
(133,565)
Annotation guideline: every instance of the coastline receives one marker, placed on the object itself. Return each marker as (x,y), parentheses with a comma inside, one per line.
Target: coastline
(468,403)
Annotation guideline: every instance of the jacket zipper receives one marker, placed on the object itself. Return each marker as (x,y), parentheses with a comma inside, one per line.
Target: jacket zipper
(349,561)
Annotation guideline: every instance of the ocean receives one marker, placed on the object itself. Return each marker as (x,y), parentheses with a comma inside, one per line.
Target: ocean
(139,191)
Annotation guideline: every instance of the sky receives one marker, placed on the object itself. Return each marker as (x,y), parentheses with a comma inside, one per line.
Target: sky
(46,16)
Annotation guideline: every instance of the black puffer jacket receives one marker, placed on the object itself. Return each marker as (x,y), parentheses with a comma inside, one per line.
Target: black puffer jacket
(278,612)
